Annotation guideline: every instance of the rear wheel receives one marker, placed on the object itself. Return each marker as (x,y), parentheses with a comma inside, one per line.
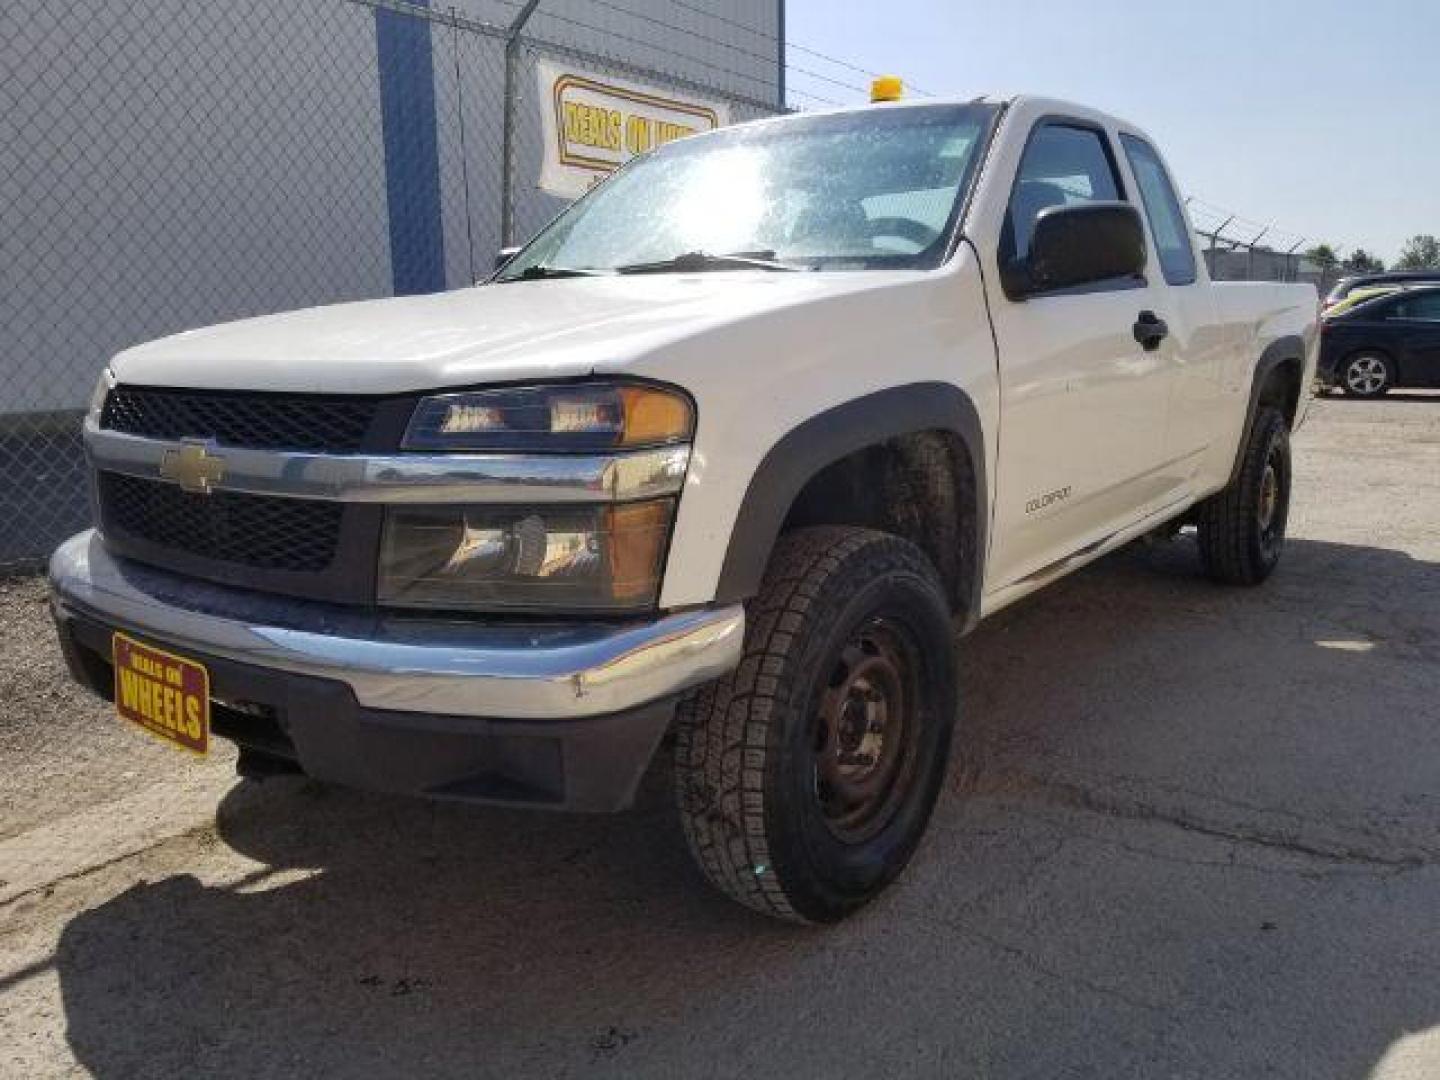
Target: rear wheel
(1242,528)
(805,779)
(1366,375)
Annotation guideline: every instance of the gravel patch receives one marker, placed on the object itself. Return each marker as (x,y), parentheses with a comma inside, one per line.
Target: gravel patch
(62,749)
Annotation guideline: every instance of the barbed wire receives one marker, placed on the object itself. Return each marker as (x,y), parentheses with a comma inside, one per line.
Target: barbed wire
(1236,230)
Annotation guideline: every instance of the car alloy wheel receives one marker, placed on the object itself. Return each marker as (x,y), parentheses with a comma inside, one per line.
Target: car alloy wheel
(1366,375)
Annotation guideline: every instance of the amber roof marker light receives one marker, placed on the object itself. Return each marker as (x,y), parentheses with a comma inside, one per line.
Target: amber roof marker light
(887,88)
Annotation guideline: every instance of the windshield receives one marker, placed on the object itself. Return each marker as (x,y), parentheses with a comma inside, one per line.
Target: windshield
(875,189)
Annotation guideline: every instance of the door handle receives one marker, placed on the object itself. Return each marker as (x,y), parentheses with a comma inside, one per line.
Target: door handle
(1150,330)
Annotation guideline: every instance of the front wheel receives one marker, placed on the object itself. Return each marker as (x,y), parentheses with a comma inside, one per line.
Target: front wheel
(806,778)
(1366,375)
(1241,529)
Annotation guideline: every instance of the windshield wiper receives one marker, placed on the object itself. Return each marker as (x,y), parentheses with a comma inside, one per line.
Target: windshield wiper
(541,272)
(695,261)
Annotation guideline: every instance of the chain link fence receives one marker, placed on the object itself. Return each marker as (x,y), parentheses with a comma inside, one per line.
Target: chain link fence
(166,164)
(1234,260)
(1239,249)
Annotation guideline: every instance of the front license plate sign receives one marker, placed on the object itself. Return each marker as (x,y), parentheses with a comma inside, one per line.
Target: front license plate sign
(165,694)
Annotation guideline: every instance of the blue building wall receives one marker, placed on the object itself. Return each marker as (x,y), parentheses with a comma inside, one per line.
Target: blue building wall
(412,151)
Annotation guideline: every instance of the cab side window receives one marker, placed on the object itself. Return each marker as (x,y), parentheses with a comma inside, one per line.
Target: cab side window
(1063,164)
(1162,209)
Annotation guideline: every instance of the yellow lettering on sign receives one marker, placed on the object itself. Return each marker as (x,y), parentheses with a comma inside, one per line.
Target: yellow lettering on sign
(164,695)
(638,135)
(594,126)
(192,717)
(667,132)
(128,693)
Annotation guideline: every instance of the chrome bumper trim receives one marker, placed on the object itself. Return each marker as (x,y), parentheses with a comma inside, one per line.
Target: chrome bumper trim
(408,478)
(456,667)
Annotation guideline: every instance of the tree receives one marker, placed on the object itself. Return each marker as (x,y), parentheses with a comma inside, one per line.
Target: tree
(1323,257)
(1420,252)
(1361,261)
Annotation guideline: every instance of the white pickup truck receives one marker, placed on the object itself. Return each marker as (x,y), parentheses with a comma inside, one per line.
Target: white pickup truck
(734,449)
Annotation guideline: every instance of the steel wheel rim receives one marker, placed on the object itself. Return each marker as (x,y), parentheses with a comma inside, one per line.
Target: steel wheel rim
(1270,517)
(866,732)
(1366,374)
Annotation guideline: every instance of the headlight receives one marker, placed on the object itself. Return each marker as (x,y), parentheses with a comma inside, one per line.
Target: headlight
(575,417)
(546,558)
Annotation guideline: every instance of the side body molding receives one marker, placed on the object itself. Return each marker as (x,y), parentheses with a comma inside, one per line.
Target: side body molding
(826,438)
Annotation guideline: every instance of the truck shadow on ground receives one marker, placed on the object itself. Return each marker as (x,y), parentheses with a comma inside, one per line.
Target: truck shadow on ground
(379,936)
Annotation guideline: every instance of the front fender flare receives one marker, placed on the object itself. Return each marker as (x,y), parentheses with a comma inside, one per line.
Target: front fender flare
(834,434)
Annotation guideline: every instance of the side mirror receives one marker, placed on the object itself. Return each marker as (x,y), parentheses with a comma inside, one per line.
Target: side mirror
(503,257)
(1080,245)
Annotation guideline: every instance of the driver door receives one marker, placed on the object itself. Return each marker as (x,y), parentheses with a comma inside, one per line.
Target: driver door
(1082,403)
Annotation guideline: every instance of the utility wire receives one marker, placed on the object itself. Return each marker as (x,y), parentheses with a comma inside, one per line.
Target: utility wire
(722,44)
(790,44)
(685,32)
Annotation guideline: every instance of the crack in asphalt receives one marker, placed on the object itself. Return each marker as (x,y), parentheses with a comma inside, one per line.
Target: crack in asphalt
(46,887)
(1110,804)
(1308,871)
(1049,971)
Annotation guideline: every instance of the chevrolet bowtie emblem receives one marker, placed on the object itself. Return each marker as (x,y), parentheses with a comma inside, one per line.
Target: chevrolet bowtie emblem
(193,467)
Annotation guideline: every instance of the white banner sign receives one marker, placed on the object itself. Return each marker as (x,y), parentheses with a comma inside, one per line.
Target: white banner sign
(593,124)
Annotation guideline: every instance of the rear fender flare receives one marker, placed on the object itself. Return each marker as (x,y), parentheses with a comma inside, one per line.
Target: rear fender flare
(1283,350)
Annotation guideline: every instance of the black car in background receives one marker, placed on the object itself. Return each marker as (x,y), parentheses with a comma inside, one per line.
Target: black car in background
(1401,278)
(1391,341)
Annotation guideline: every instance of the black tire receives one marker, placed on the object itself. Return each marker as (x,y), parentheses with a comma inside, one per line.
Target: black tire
(1242,528)
(792,798)
(1367,374)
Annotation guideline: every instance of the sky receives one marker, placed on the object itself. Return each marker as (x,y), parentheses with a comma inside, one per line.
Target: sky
(1319,119)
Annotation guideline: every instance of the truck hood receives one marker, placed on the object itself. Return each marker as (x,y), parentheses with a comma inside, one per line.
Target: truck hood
(489,333)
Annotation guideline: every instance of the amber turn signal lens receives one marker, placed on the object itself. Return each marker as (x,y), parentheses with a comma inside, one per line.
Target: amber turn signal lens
(654,416)
(638,532)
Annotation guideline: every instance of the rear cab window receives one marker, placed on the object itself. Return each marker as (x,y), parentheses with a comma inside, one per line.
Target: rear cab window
(1162,210)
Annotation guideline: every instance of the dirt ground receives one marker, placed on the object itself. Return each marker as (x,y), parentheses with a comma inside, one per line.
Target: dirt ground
(1205,842)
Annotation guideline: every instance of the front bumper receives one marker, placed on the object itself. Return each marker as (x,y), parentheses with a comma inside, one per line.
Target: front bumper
(561,714)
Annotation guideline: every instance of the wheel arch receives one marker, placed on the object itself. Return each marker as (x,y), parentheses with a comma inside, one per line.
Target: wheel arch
(1278,380)
(902,436)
